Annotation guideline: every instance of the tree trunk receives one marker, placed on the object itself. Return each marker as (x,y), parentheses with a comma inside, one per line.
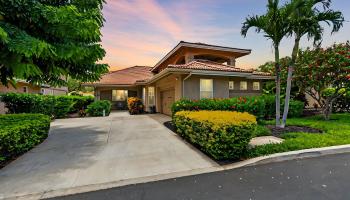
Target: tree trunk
(327,109)
(278,86)
(289,80)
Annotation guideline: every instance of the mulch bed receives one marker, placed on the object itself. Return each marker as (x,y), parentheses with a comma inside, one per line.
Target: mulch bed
(277,131)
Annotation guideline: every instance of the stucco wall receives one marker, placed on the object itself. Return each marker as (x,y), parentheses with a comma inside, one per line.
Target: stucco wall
(221,87)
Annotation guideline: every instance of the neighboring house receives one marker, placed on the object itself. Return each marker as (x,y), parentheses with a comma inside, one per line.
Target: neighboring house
(25,87)
(190,70)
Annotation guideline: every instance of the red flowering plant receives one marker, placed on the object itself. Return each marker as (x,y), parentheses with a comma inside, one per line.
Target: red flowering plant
(135,105)
(324,74)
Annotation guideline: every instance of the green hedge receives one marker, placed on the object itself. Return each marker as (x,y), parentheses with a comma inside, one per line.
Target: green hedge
(54,106)
(96,108)
(21,132)
(221,134)
(263,107)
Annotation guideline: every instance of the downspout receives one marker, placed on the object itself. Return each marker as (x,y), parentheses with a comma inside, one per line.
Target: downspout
(183,84)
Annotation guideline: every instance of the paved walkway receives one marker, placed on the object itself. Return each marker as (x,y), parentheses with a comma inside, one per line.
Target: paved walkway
(320,178)
(85,151)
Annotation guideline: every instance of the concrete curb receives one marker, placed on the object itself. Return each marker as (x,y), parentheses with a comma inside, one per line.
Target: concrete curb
(278,157)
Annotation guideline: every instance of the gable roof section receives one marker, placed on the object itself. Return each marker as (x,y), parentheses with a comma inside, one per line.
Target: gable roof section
(127,76)
(209,66)
(199,45)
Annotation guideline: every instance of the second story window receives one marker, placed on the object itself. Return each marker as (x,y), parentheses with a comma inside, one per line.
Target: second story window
(206,88)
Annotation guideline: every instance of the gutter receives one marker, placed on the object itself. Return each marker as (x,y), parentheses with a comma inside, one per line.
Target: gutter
(183,83)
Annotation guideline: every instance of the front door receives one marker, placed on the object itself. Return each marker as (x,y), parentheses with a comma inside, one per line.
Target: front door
(167,99)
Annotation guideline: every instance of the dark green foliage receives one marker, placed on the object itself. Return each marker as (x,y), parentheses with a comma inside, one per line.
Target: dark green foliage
(342,104)
(43,41)
(263,107)
(96,108)
(53,106)
(261,131)
(21,132)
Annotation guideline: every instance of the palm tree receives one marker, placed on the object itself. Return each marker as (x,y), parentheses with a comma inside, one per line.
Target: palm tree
(273,25)
(305,19)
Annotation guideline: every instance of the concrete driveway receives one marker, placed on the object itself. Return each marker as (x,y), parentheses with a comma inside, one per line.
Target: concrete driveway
(93,151)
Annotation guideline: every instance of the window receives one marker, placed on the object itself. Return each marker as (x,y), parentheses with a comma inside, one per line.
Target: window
(256,85)
(151,99)
(25,89)
(206,88)
(243,85)
(231,85)
(119,95)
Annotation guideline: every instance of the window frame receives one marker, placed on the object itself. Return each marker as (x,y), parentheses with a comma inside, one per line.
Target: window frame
(154,95)
(246,84)
(200,88)
(258,85)
(116,92)
(233,85)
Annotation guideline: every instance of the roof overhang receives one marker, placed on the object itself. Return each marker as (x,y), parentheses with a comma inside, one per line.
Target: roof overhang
(200,46)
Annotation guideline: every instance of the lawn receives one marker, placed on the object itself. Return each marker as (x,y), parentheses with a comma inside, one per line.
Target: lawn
(336,132)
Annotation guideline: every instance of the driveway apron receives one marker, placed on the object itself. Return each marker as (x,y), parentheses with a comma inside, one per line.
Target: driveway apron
(86,151)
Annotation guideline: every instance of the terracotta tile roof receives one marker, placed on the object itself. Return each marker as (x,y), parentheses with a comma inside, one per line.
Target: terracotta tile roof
(127,76)
(210,66)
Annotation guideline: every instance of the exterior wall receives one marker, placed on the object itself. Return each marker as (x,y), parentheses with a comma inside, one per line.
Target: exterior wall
(220,87)
(192,87)
(249,92)
(105,93)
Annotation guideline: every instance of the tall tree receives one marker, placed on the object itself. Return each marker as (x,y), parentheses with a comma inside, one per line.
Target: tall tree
(273,25)
(324,74)
(47,40)
(306,19)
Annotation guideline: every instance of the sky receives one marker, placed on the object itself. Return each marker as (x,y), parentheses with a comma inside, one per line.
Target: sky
(141,32)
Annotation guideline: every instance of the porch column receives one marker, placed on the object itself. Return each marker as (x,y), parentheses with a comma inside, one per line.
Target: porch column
(232,61)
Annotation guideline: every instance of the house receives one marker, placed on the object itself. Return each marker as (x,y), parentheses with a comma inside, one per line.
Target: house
(25,87)
(190,70)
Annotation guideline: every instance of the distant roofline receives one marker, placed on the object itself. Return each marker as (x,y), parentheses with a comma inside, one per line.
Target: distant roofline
(199,45)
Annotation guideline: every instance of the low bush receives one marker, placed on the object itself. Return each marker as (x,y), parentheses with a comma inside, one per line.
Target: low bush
(97,108)
(54,106)
(135,105)
(263,107)
(221,134)
(21,132)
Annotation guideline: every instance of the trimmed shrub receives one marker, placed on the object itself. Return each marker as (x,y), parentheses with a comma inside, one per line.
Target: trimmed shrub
(135,105)
(96,108)
(263,107)
(221,134)
(53,106)
(21,132)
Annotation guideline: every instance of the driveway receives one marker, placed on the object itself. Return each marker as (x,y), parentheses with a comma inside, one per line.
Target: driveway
(91,151)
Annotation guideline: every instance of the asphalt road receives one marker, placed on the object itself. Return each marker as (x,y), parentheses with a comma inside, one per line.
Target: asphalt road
(326,177)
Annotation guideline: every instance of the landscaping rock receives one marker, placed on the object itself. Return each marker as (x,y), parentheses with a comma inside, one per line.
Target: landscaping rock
(258,141)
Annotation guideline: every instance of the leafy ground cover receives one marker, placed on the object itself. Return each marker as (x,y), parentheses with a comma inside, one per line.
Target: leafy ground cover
(335,132)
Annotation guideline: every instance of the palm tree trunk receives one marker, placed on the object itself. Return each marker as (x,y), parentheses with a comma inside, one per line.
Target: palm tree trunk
(289,80)
(278,86)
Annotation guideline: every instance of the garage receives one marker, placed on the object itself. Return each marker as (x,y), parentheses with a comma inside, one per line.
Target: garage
(167,99)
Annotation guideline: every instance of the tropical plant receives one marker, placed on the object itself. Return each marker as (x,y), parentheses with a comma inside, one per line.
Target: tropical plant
(273,25)
(305,19)
(43,41)
(318,69)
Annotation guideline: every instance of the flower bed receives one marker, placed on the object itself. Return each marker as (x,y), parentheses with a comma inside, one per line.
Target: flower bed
(221,134)
(135,105)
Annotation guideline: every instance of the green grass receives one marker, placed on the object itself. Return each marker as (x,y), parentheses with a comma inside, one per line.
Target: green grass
(336,132)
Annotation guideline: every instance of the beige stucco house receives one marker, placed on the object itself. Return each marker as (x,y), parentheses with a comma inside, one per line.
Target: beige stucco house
(190,70)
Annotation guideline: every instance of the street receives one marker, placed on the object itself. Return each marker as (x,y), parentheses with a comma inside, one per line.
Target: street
(326,177)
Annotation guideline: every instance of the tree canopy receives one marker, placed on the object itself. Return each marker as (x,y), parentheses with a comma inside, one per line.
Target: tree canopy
(44,41)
